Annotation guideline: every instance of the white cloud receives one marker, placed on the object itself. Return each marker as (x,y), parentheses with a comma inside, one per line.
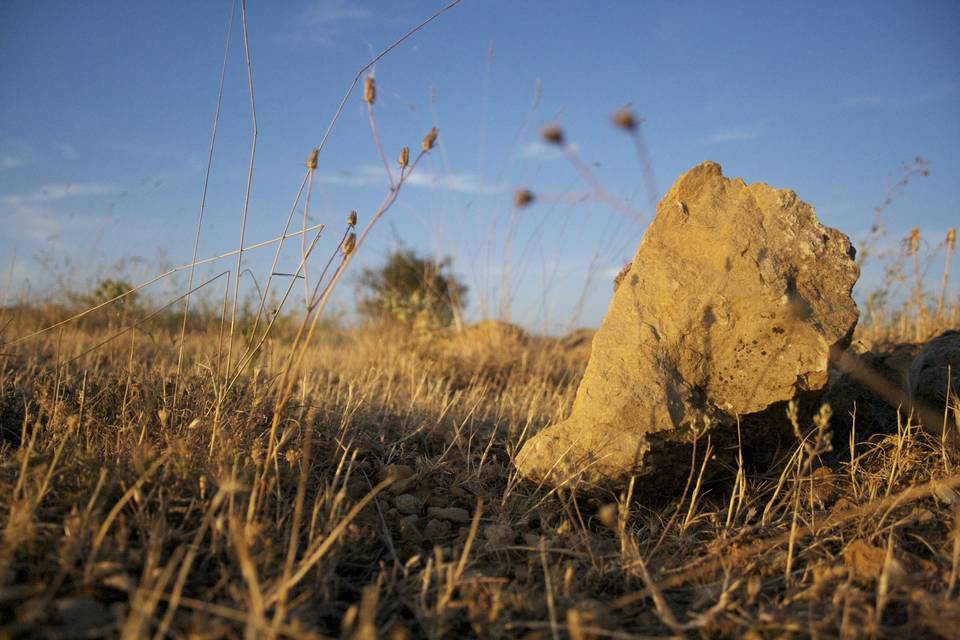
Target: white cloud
(321,21)
(13,160)
(14,154)
(52,192)
(456,182)
(905,100)
(374,175)
(732,135)
(329,12)
(29,214)
(739,133)
(67,151)
(539,150)
(863,101)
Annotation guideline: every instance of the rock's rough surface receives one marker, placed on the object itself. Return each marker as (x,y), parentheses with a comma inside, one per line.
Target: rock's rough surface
(935,369)
(408,504)
(730,306)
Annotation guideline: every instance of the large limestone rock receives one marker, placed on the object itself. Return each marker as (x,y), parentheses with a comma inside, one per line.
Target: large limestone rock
(730,307)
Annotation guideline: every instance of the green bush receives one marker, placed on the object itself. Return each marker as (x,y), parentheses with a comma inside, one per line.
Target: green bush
(411,289)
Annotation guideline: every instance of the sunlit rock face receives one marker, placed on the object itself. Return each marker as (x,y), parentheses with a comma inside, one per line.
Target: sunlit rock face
(729,309)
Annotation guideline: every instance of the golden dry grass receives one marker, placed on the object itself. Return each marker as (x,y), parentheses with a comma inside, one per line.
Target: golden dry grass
(122,516)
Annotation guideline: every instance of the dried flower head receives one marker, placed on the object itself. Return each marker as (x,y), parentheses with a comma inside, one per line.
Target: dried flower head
(429,139)
(522,198)
(552,134)
(350,244)
(369,90)
(625,119)
(312,160)
(951,238)
(404,158)
(914,239)
(352,219)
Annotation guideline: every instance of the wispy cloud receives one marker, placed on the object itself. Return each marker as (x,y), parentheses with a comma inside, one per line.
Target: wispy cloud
(739,133)
(539,150)
(373,175)
(468,183)
(52,192)
(905,100)
(13,160)
(868,101)
(732,135)
(67,151)
(322,20)
(14,154)
(329,12)
(31,214)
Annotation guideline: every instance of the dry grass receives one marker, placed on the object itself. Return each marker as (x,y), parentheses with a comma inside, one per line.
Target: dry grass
(120,518)
(274,480)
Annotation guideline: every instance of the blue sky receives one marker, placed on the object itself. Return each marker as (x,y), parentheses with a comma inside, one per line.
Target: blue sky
(106,110)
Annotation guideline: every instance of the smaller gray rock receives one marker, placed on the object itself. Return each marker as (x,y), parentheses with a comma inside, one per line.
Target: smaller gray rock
(453,514)
(409,530)
(402,477)
(82,615)
(936,368)
(408,504)
(437,529)
(499,535)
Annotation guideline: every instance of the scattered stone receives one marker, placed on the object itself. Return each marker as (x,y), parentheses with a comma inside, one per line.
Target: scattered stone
(408,504)
(80,616)
(499,535)
(730,307)
(858,406)
(453,514)
(609,514)
(923,516)
(945,494)
(866,563)
(458,492)
(409,530)
(437,529)
(121,582)
(935,368)
(403,477)
(438,500)
(531,539)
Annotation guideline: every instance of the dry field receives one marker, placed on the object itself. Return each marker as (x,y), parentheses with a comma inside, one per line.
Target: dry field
(302,481)
(378,499)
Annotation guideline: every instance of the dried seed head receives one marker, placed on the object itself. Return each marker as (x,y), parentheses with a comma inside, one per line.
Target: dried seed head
(404,158)
(350,244)
(429,139)
(312,160)
(552,134)
(369,90)
(352,219)
(624,118)
(951,238)
(522,198)
(914,239)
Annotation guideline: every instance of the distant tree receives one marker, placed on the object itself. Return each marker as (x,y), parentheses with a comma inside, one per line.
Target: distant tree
(412,289)
(109,289)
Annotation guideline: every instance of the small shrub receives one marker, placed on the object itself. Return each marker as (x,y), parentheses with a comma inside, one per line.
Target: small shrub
(411,289)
